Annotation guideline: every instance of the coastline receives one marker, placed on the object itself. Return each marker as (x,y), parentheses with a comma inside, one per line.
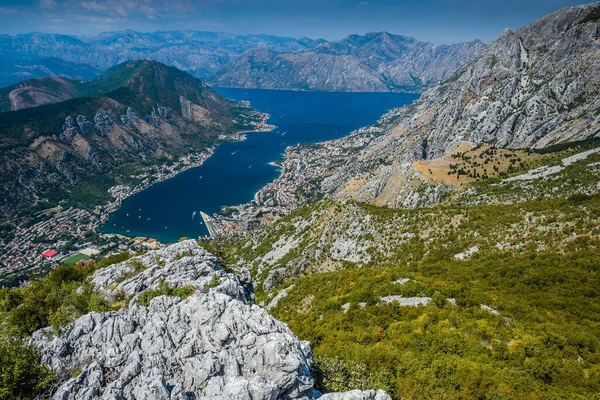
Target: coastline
(21,255)
(301,169)
(120,193)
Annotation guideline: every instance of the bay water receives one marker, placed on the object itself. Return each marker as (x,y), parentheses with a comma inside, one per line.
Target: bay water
(170,209)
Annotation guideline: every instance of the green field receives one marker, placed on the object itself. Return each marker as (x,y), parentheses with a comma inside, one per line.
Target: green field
(74,259)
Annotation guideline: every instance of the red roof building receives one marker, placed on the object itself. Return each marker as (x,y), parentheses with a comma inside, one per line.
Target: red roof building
(49,253)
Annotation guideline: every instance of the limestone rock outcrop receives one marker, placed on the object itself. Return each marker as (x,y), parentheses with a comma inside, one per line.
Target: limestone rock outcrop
(532,88)
(213,344)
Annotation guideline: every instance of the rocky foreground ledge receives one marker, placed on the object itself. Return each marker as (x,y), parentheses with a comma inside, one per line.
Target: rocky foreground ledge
(212,344)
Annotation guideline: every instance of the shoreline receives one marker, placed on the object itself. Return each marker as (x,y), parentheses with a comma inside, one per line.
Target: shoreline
(22,253)
(299,166)
(119,196)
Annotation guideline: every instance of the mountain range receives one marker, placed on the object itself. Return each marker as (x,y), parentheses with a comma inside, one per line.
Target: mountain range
(455,254)
(531,88)
(199,53)
(372,62)
(57,131)
(375,62)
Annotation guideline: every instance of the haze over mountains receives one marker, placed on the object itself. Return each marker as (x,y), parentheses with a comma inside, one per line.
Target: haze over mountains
(375,62)
(372,62)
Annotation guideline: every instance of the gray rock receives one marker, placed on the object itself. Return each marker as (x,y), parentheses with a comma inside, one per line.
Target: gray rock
(532,88)
(375,62)
(357,395)
(213,344)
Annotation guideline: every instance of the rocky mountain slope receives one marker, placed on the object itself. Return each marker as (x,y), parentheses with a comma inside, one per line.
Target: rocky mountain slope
(328,235)
(532,88)
(211,342)
(37,92)
(199,53)
(139,110)
(414,301)
(374,62)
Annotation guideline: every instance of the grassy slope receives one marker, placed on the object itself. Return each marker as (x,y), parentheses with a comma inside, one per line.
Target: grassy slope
(536,265)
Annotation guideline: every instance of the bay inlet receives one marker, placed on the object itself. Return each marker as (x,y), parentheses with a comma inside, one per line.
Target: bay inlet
(171,209)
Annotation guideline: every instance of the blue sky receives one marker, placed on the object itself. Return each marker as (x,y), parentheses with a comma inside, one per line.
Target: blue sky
(438,21)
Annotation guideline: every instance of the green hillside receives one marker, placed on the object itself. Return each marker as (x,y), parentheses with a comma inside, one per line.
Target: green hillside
(511,289)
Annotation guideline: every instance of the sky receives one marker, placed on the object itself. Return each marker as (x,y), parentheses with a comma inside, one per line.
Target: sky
(437,21)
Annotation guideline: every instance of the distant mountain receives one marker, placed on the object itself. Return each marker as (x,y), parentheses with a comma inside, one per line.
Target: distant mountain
(138,110)
(532,88)
(199,53)
(373,62)
(15,69)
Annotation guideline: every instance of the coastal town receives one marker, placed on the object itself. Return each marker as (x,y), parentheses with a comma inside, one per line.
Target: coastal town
(302,170)
(61,233)
(66,234)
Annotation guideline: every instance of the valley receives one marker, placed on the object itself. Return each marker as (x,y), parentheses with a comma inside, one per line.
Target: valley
(327,241)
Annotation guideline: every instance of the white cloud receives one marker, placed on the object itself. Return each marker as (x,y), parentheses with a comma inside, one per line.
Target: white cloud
(48,4)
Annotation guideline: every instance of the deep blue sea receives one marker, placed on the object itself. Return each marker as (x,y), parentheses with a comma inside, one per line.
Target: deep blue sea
(238,170)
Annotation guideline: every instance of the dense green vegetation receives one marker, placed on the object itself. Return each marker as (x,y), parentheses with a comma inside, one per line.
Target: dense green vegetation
(544,343)
(22,376)
(63,295)
(514,289)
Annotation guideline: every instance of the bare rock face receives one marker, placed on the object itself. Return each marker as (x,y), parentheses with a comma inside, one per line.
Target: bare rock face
(375,62)
(34,92)
(531,88)
(213,344)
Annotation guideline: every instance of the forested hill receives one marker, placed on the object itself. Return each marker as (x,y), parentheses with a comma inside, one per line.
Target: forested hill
(66,131)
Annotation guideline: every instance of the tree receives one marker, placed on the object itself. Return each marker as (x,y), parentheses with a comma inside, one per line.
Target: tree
(22,375)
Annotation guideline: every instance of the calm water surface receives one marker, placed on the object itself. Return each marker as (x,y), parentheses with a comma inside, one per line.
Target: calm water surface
(237,171)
